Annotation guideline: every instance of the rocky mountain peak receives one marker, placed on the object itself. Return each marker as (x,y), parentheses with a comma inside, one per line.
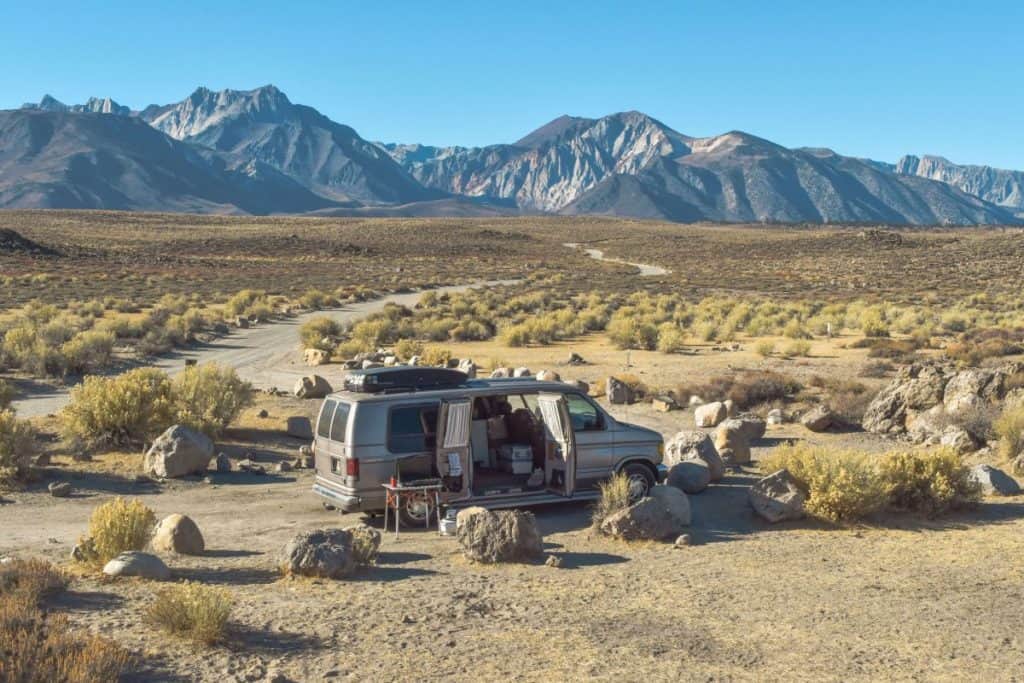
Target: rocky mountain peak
(205,108)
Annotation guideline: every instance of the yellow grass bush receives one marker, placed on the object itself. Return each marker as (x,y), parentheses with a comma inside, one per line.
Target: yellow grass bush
(1009,428)
(89,351)
(799,348)
(17,445)
(614,497)
(841,486)
(320,333)
(931,482)
(436,356)
(192,610)
(115,527)
(407,348)
(764,348)
(209,397)
(119,410)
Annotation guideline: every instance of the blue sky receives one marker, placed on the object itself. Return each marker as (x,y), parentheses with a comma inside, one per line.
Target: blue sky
(867,78)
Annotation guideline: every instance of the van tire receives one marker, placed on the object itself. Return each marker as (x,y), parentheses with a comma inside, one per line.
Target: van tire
(641,478)
(410,515)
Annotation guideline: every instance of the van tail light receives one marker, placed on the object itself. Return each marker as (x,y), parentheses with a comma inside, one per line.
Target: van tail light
(352,467)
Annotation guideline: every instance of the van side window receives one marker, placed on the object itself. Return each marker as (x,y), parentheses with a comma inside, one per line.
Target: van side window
(323,425)
(340,422)
(584,415)
(412,429)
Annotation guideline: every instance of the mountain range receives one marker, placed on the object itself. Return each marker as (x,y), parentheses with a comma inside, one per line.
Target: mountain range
(256,152)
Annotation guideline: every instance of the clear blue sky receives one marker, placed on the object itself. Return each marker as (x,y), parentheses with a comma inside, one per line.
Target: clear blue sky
(867,78)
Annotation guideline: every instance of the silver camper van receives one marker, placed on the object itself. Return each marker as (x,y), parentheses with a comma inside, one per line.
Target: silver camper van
(490,442)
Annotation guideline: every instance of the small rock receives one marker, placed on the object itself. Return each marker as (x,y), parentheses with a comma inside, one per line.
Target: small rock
(138,564)
(263,414)
(696,401)
(312,386)
(580,386)
(522,372)
(618,392)
(60,489)
(664,404)
(710,414)
(958,439)
(548,376)
(683,540)
(251,467)
(994,481)
(283,466)
(732,443)
(41,460)
(777,497)
(553,561)
(315,357)
(576,359)
(819,419)
(689,476)
(178,452)
(501,373)
(223,463)
(776,417)
(730,407)
(467,366)
(178,534)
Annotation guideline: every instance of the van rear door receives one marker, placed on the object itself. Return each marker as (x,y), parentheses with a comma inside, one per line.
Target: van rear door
(322,436)
(561,443)
(453,452)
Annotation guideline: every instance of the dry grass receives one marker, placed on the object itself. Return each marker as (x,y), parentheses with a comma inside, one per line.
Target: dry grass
(614,497)
(115,527)
(932,482)
(192,610)
(42,647)
(1009,428)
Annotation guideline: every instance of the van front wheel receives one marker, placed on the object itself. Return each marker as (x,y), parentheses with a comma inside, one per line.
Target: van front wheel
(416,512)
(640,478)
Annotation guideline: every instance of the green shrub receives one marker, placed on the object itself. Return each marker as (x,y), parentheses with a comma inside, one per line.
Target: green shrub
(764,348)
(316,299)
(115,527)
(128,408)
(243,301)
(17,446)
(929,482)
(192,610)
(1009,427)
(436,356)
(841,486)
(799,348)
(671,339)
(407,348)
(89,351)
(6,394)
(209,397)
(320,333)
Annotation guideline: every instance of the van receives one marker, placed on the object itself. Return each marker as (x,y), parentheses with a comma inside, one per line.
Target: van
(496,443)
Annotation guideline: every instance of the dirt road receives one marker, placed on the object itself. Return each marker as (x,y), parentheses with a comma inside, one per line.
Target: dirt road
(264,355)
(646,269)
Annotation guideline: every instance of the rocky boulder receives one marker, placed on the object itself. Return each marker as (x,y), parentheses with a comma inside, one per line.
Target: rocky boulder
(664,513)
(548,376)
(314,357)
(776,417)
(324,553)
(618,392)
(752,427)
(498,536)
(138,564)
(959,439)
(914,389)
(178,534)
(777,497)
(994,482)
(178,452)
(710,414)
(311,386)
(819,419)
(664,404)
(972,388)
(689,476)
(501,373)
(467,366)
(732,443)
(522,372)
(695,445)
(60,489)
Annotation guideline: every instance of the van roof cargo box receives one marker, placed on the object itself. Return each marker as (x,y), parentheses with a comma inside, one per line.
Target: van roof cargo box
(403,378)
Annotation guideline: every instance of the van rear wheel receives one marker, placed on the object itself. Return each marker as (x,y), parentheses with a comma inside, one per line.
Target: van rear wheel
(416,512)
(641,480)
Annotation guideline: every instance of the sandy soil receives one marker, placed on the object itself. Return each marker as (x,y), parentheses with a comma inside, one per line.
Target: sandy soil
(900,598)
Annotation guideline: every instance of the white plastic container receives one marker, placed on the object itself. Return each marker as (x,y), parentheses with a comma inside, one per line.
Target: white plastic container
(515,458)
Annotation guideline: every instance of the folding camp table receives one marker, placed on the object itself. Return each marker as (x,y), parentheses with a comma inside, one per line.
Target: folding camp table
(395,494)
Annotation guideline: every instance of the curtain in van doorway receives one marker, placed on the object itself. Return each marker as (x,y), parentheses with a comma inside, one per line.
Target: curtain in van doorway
(456,431)
(549,411)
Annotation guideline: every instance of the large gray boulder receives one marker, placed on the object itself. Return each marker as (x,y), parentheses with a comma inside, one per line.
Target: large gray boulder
(689,476)
(325,553)
(618,392)
(916,388)
(311,386)
(752,426)
(178,534)
(138,564)
(498,536)
(710,414)
(732,443)
(178,452)
(972,388)
(695,445)
(664,513)
(959,439)
(777,497)
(994,482)
(300,427)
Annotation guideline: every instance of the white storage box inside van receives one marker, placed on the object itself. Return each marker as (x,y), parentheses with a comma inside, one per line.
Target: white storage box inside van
(516,458)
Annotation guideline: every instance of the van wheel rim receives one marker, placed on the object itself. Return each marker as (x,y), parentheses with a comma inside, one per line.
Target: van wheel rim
(638,487)
(417,508)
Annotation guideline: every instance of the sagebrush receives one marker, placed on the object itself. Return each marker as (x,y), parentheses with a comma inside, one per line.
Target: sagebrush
(192,610)
(115,527)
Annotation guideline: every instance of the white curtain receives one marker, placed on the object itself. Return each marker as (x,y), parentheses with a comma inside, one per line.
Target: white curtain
(549,410)
(456,431)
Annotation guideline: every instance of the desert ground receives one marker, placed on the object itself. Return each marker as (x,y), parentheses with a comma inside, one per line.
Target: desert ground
(894,596)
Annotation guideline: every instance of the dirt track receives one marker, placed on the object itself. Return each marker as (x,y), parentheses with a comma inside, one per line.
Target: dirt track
(264,355)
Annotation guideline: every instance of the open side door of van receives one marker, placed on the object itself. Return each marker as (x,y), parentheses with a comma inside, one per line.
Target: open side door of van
(561,446)
(454,459)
